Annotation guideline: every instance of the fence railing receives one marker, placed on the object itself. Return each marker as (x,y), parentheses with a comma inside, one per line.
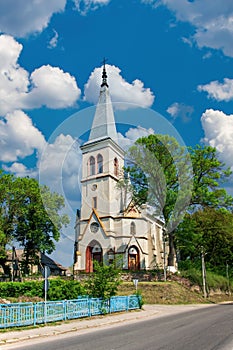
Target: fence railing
(24,314)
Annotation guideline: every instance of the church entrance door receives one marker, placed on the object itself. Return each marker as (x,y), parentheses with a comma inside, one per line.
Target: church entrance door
(133,259)
(93,252)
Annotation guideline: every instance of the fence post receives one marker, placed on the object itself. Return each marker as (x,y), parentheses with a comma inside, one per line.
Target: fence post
(89,307)
(35,313)
(127,303)
(64,308)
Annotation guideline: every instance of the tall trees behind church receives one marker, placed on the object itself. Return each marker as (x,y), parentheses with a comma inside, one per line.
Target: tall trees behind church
(175,181)
(29,217)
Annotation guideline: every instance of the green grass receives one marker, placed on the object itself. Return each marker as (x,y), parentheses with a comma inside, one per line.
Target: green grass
(169,293)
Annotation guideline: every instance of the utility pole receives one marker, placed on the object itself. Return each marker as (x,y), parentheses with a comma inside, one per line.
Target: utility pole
(164,257)
(228,281)
(203,272)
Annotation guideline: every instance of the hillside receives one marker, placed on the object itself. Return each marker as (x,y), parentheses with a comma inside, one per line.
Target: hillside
(170,293)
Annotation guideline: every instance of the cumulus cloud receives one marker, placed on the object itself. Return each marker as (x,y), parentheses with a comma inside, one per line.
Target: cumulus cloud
(52,87)
(83,6)
(132,135)
(218,128)
(20,170)
(46,85)
(19,138)
(121,91)
(180,110)
(20,18)
(213,21)
(219,91)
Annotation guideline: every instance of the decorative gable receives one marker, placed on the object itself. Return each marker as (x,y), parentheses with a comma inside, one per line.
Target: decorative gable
(132,211)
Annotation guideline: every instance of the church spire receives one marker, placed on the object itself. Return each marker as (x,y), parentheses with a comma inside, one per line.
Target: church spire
(103,125)
(104,75)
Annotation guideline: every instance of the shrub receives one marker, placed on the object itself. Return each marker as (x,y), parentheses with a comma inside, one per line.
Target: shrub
(59,289)
(103,282)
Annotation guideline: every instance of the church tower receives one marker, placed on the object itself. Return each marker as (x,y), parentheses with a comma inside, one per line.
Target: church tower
(103,160)
(106,229)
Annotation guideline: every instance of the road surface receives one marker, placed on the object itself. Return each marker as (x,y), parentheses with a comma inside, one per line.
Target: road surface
(203,329)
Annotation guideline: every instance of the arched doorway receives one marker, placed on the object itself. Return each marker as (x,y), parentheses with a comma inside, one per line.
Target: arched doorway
(133,258)
(93,252)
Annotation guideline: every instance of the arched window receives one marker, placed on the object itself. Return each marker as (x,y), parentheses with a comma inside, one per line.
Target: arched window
(116,165)
(99,164)
(92,165)
(132,228)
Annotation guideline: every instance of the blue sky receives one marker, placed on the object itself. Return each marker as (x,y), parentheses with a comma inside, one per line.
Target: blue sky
(172,57)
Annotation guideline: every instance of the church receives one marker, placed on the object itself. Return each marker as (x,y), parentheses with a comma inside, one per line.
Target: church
(107,228)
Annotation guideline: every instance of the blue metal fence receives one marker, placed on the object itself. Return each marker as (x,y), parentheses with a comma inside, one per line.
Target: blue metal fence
(23,314)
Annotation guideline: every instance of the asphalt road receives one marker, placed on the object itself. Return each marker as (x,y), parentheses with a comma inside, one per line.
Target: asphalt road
(202,329)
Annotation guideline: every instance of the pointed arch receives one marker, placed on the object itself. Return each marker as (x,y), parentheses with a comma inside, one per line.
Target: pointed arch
(100,167)
(92,165)
(133,258)
(132,228)
(94,251)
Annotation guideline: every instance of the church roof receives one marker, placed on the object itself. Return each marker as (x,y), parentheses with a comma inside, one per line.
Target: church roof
(103,125)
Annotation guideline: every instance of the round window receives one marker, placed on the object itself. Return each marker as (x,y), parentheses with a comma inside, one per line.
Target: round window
(94,227)
(94,187)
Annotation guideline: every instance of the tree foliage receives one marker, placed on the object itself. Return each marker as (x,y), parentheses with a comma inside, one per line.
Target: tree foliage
(174,182)
(29,216)
(103,282)
(209,175)
(209,229)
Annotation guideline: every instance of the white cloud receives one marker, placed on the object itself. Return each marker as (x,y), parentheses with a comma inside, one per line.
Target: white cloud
(132,135)
(53,41)
(213,21)
(19,138)
(20,170)
(60,165)
(218,128)
(45,86)
(121,91)
(218,91)
(51,87)
(20,18)
(180,110)
(83,6)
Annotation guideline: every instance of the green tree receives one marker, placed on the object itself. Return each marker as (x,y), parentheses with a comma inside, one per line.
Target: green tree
(209,229)
(161,175)
(209,175)
(173,181)
(103,282)
(30,216)
(6,217)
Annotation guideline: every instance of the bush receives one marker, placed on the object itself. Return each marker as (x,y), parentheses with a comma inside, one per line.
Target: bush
(103,282)
(59,289)
(214,280)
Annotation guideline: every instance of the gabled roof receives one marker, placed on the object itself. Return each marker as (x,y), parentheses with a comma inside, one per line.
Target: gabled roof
(53,265)
(94,213)
(132,211)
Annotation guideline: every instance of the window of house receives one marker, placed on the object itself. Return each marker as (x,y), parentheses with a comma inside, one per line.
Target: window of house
(92,165)
(132,228)
(94,202)
(99,163)
(116,165)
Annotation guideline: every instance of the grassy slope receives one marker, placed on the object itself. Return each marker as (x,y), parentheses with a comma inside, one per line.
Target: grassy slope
(169,293)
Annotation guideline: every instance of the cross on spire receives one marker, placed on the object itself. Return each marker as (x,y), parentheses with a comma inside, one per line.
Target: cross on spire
(104,74)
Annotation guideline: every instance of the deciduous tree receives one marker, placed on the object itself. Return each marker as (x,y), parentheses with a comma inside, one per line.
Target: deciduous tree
(174,181)
(29,216)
